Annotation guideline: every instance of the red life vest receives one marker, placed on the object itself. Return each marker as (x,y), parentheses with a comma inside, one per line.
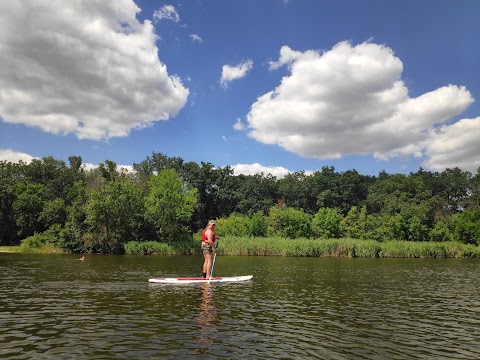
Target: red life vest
(204,237)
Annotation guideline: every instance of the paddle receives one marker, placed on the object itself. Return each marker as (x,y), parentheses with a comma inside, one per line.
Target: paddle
(213,263)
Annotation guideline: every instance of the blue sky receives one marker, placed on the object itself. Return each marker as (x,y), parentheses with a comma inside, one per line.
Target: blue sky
(270,85)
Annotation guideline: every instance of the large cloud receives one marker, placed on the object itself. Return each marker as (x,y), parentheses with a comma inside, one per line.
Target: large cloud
(454,145)
(82,66)
(350,100)
(13,156)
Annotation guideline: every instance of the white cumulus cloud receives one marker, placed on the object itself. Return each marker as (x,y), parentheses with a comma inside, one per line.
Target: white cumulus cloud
(239,126)
(350,100)
(230,73)
(84,67)
(196,38)
(256,168)
(13,156)
(455,145)
(167,12)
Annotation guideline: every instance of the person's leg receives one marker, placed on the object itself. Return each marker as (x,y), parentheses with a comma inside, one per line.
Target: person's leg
(204,272)
(208,264)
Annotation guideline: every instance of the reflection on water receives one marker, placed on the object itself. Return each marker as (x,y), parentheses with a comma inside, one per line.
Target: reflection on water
(56,307)
(206,319)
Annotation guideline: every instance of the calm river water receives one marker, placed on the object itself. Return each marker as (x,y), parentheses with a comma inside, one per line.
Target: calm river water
(57,307)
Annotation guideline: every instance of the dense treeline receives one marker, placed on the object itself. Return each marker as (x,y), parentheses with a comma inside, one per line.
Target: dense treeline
(47,202)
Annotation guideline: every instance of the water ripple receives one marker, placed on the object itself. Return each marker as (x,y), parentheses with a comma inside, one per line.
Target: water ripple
(53,307)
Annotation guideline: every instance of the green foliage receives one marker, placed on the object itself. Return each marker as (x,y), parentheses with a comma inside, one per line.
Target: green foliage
(467,226)
(243,225)
(53,212)
(417,231)
(169,205)
(289,223)
(257,224)
(255,193)
(101,210)
(441,232)
(8,190)
(428,250)
(114,214)
(30,199)
(47,240)
(455,187)
(344,247)
(339,190)
(296,191)
(76,225)
(234,225)
(183,246)
(149,248)
(326,224)
(354,225)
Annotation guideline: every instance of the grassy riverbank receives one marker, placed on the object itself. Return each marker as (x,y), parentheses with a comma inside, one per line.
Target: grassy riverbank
(346,248)
(248,246)
(49,249)
(9,249)
(320,247)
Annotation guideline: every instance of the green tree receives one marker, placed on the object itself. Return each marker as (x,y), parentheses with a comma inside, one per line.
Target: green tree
(53,212)
(340,190)
(326,224)
(296,192)
(170,205)
(467,226)
(289,223)
(455,188)
(28,205)
(115,214)
(51,173)
(354,225)
(76,225)
(254,224)
(473,199)
(10,175)
(442,230)
(256,193)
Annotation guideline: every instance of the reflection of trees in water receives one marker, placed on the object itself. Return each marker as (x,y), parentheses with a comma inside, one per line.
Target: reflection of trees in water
(206,319)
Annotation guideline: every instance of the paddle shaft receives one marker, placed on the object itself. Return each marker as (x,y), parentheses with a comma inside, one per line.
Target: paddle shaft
(213,263)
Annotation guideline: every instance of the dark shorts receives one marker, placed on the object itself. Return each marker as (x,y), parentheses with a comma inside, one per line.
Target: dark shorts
(206,249)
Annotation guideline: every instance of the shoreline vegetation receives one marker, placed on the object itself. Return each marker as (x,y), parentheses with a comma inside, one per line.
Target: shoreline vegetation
(250,246)
(47,206)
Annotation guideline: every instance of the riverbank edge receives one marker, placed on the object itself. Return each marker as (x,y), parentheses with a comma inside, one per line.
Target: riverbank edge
(244,246)
(10,249)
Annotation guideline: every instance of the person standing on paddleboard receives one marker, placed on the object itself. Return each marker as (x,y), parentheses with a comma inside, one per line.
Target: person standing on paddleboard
(208,243)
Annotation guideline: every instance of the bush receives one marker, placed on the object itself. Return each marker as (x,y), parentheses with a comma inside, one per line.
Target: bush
(467,226)
(242,225)
(148,248)
(234,225)
(289,223)
(326,224)
(257,225)
(48,241)
(441,232)
(354,225)
(186,245)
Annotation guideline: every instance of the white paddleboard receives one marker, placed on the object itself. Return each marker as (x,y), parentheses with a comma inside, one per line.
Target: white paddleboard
(192,280)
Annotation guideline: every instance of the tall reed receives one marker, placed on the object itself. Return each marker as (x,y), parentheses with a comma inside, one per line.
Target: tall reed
(345,247)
